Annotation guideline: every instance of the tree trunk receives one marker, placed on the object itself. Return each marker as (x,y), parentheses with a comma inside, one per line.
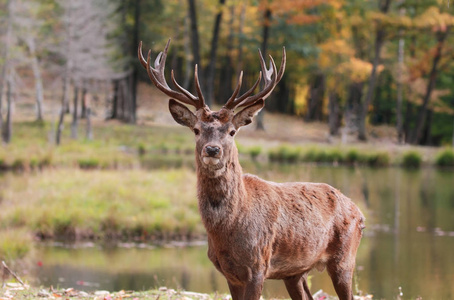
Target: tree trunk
(379,41)
(38,78)
(400,62)
(315,98)
(89,130)
(195,39)
(74,123)
(5,56)
(7,130)
(421,118)
(187,52)
(225,86)
(266,32)
(407,122)
(334,114)
(62,116)
(135,72)
(239,61)
(214,46)
(83,109)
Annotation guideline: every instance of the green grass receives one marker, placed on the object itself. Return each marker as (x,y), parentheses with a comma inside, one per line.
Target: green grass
(15,243)
(411,160)
(100,203)
(445,158)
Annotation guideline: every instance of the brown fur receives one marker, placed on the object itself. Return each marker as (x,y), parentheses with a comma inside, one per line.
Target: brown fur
(261,230)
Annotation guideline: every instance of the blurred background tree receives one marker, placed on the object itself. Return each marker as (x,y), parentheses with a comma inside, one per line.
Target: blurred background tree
(351,64)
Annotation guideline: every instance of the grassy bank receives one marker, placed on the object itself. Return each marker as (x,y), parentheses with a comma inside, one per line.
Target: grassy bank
(76,204)
(122,146)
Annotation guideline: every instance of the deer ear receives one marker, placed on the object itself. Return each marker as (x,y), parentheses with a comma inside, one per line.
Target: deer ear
(245,116)
(182,114)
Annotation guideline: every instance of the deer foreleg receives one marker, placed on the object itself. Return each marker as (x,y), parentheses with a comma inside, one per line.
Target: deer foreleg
(253,289)
(297,287)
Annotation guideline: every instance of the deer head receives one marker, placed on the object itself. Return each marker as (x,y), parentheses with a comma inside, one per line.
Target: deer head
(214,130)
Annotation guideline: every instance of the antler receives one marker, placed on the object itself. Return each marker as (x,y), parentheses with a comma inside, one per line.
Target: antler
(270,83)
(156,75)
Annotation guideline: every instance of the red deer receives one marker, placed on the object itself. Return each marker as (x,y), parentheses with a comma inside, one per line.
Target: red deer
(259,229)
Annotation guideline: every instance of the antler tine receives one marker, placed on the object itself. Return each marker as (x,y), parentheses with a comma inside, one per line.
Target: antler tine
(182,89)
(156,75)
(269,80)
(237,90)
(140,55)
(282,68)
(245,95)
(201,102)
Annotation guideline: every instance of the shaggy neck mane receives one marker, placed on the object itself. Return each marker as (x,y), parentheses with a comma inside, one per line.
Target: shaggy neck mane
(219,197)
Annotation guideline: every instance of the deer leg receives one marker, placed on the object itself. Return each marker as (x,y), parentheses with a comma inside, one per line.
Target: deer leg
(253,289)
(297,287)
(236,291)
(342,276)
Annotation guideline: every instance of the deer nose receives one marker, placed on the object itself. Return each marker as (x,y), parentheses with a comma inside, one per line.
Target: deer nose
(212,150)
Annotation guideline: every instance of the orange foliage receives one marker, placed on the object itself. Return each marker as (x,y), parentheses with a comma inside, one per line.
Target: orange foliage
(296,10)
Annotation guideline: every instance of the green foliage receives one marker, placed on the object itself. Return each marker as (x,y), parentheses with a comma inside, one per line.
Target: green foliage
(88,163)
(14,243)
(412,159)
(378,159)
(445,158)
(352,156)
(99,204)
(254,152)
(285,154)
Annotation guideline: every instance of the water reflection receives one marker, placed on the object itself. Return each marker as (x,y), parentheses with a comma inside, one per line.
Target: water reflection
(409,242)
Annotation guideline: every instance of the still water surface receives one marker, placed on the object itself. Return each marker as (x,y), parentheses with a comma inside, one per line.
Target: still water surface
(408,242)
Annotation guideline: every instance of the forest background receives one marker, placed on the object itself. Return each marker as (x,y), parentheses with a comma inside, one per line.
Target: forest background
(351,64)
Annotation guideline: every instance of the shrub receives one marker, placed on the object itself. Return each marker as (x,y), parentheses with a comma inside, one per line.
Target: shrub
(141,149)
(19,164)
(445,158)
(14,244)
(311,155)
(352,156)
(254,152)
(411,159)
(379,159)
(88,163)
(285,154)
(335,155)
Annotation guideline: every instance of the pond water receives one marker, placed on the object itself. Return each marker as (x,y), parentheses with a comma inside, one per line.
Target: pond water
(408,242)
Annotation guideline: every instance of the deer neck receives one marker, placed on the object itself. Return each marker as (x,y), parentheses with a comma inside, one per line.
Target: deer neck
(220,196)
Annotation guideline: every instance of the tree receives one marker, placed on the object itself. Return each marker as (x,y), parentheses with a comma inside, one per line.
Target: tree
(214,47)
(6,63)
(380,33)
(85,48)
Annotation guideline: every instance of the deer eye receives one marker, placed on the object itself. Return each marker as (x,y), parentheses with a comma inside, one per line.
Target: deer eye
(232,133)
(196,131)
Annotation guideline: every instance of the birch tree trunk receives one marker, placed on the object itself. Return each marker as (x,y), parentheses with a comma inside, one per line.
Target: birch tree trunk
(38,78)
(75,121)
(5,58)
(400,65)
(7,130)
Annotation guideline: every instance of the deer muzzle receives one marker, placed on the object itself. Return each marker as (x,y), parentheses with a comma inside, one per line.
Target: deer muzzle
(211,155)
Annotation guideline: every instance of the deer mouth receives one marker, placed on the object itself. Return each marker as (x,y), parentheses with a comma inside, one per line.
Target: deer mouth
(211,161)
